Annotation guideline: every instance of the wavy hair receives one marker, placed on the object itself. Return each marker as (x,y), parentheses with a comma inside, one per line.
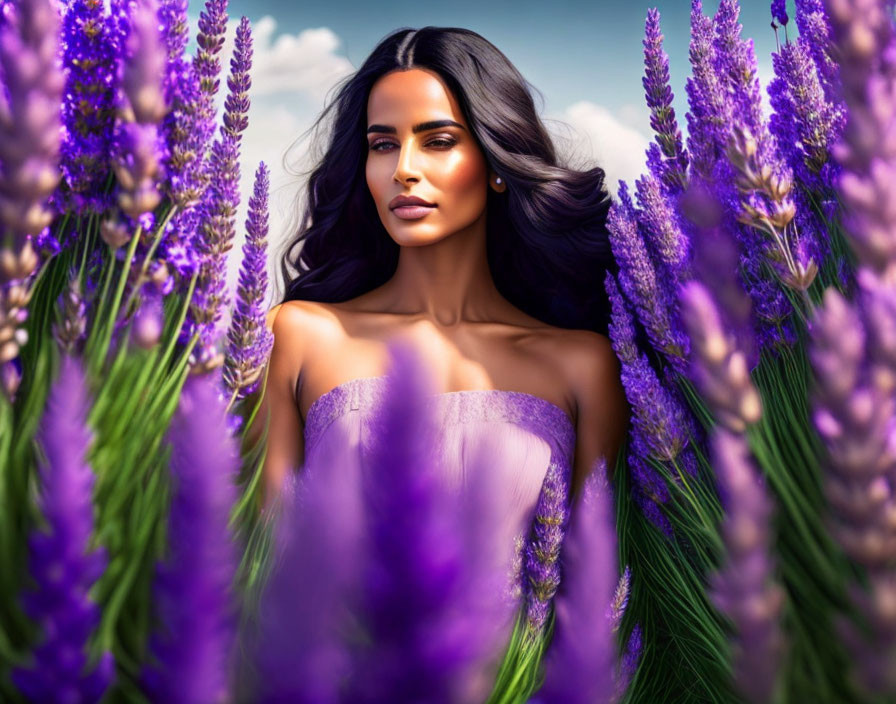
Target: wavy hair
(547,243)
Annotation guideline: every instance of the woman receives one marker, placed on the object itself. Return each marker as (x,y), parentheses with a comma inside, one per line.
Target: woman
(439,213)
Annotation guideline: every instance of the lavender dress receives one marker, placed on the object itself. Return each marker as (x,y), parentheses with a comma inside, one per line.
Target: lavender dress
(528,431)
(531,430)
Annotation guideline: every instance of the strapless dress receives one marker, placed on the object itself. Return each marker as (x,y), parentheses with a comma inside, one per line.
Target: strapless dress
(529,432)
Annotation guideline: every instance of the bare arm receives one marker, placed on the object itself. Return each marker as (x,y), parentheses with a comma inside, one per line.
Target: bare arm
(603,410)
(279,407)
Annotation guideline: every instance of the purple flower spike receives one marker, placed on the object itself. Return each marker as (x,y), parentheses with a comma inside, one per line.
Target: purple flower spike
(638,278)
(718,368)
(30,119)
(542,560)
(815,27)
(435,575)
(218,212)
(744,589)
(710,112)
(864,35)
(63,569)
(580,665)
(193,586)
(88,108)
(779,12)
(249,342)
(301,655)
(672,170)
(662,229)
(657,415)
(210,40)
(140,148)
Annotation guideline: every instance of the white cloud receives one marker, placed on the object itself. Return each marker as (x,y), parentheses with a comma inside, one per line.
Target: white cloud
(306,64)
(603,138)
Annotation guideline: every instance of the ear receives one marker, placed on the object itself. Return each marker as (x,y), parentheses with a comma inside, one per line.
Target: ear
(497,183)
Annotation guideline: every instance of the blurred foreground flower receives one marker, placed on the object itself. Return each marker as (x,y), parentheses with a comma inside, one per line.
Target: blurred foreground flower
(193,597)
(744,589)
(581,660)
(61,564)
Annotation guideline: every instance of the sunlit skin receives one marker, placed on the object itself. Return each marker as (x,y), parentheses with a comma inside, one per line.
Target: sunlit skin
(442,293)
(442,270)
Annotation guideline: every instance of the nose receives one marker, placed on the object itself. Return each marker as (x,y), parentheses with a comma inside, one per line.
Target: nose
(406,168)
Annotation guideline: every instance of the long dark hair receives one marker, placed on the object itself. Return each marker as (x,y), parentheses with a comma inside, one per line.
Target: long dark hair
(547,242)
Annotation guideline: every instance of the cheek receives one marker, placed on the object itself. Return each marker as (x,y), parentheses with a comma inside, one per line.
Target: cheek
(464,173)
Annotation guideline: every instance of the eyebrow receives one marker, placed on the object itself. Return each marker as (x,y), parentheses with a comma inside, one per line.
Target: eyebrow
(422,127)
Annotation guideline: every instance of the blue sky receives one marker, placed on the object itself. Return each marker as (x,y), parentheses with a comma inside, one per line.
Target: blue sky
(584,58)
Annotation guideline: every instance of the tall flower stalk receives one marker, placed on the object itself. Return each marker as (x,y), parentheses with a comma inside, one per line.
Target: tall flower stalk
(249,342)
(433,605)
(30,124)
(581,661)
(217,226)
(745,589)
(194,602)
(63,564)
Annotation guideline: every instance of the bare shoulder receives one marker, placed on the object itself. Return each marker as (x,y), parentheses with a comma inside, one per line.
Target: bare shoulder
(295,321)
(588,357)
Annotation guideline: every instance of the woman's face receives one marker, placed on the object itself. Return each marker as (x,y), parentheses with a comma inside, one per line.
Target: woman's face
(441,164)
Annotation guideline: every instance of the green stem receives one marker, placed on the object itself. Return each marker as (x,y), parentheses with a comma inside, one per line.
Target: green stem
(157,238)
(108,324)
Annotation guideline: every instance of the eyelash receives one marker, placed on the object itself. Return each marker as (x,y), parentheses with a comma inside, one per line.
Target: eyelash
(447,143)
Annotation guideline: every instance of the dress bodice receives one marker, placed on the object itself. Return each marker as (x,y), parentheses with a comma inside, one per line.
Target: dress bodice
(529,433)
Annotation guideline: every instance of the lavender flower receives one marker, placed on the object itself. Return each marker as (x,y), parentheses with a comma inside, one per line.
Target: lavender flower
(63,569)
(249,342)
(175,30)
(14,298)
(638,278)
(301,652)
(805,123)
(543,552)
(853,401)
(672,170)
(710,111)
(432,604)
(779,12)
(814,26)
(620,597)
(744,590)
(581,660)
(734,64)
(663,231)
(210,39)
(715,255)
(718,369)
(188,127)
(219,208)
(148,322)
(853,411)
(72,310)
(88,111)
(141,151)
(658,417)
(193,587)
(29,125)
(864,35)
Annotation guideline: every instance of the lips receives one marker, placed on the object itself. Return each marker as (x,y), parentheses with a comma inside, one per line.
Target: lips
(400,201)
